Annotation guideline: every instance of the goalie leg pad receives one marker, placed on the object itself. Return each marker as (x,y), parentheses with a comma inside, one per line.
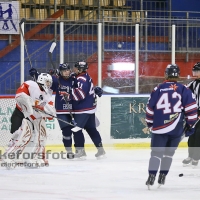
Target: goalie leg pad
(19,141)
(40,140)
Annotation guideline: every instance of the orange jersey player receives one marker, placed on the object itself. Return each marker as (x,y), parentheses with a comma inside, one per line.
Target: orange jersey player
(28,122)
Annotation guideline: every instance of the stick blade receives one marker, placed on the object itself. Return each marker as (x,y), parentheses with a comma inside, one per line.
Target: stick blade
(76,129)
(23,20)
(53,45)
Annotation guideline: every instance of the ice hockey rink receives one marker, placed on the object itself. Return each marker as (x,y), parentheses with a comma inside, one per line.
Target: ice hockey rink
(122,175)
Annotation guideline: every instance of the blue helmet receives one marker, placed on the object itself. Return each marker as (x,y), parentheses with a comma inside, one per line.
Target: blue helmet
(64,66)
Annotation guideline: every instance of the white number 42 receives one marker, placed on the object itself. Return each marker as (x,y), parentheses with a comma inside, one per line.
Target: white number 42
(164,103)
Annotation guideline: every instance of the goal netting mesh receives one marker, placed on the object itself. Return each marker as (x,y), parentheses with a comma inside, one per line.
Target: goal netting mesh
(7,106)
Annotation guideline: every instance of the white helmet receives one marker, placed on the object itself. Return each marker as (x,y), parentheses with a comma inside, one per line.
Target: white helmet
(45,81)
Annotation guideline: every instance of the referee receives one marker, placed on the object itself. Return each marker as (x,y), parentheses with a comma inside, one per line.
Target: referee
(194,139)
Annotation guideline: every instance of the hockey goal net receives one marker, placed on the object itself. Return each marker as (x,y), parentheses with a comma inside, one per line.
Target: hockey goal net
(7,106)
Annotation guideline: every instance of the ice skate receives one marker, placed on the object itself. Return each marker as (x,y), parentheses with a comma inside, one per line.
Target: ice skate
(150,180)
(80,154)
(161,179)
(195,163)
(187,161)
(100,153)
(70,155)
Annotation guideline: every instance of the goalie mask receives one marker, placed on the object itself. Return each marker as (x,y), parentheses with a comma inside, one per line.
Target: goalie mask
(80,66)
(196,70)
(172,71)
(64,70)
(45,81)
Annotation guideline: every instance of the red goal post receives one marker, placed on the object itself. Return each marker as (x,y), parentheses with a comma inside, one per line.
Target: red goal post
(7,106)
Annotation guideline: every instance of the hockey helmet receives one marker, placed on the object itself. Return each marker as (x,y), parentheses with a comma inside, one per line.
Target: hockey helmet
(62,67)
(81,65)
(196,70)
(172,71)
(45,81)
(196,67)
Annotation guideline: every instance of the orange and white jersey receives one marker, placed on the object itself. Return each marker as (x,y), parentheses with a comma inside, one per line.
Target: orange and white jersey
(29,94)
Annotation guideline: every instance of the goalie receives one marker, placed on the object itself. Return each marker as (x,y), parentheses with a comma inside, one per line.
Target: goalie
(28,123)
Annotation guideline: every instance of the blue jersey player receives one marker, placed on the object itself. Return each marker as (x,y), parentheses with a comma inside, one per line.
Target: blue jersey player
(63,83)
(169,105)
(84,106)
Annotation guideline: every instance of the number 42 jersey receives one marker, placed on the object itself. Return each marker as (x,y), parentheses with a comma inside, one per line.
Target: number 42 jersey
(167,105)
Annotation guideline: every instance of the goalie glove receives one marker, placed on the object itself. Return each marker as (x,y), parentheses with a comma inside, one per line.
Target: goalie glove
(98,91)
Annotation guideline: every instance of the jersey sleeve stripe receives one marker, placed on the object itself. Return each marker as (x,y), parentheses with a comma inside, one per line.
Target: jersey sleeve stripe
(190,107)
(80,93)
(192,117)
(81,78)
(150,112)
(149,121)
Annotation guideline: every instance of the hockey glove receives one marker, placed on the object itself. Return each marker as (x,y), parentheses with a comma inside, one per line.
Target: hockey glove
(34,73)
(98,91)
(189,132)
(150,125)
(65,95)
(53,72)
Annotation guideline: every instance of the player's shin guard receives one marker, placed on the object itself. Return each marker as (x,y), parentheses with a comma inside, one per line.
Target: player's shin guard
(154,162)
(165,164)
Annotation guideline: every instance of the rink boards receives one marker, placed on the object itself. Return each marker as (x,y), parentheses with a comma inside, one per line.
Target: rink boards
(122,122)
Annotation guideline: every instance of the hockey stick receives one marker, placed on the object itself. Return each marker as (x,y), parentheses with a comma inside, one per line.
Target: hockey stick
(23,20)
(53,45)
(75,129)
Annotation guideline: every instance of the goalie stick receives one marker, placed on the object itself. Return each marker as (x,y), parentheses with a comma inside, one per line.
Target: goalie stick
(75,129)
(53,45)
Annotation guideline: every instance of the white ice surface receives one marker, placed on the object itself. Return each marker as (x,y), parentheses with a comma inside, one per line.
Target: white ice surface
(121,176)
